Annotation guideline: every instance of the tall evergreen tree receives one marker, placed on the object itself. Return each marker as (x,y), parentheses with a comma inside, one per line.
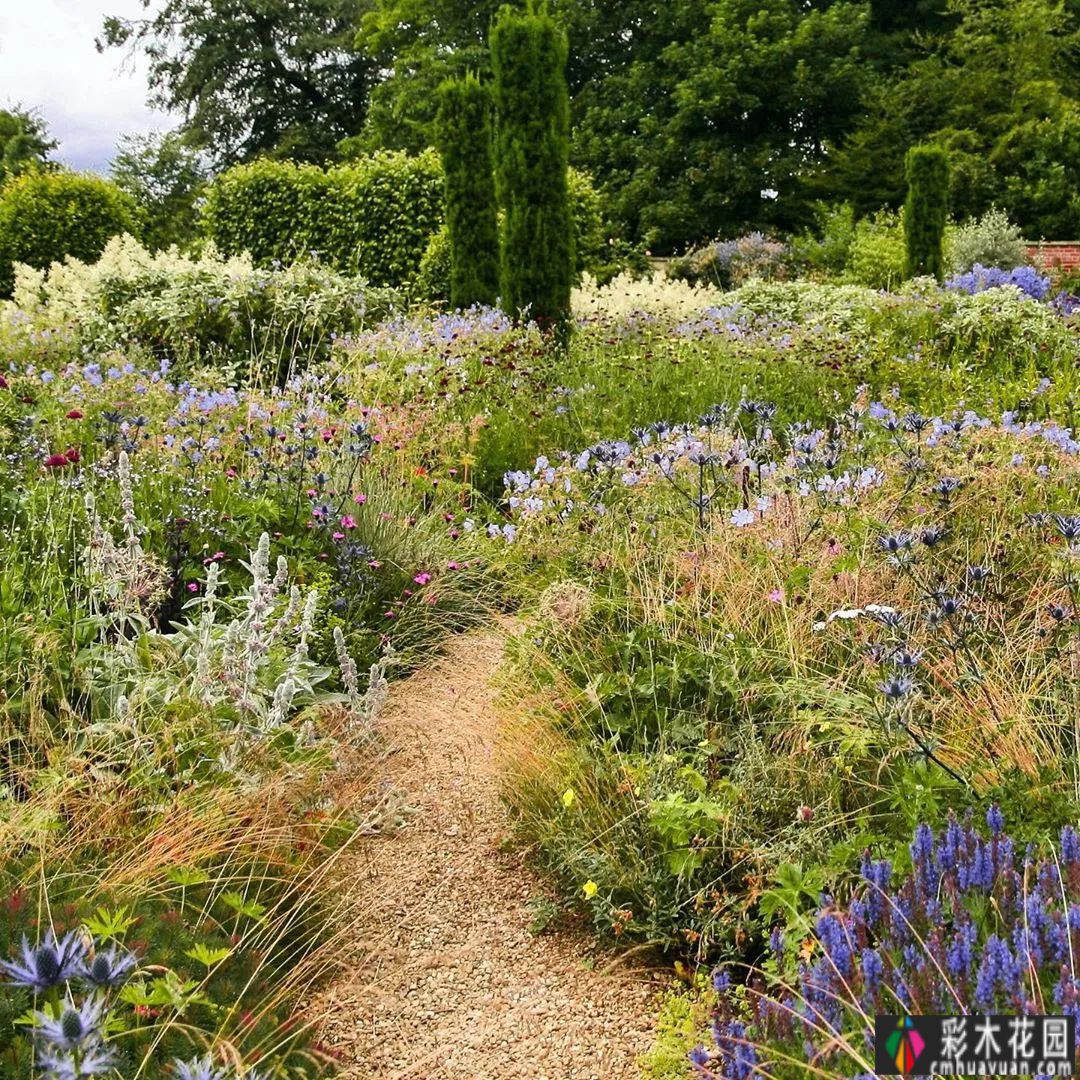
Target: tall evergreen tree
(528,56)
(926,209)
(463,127)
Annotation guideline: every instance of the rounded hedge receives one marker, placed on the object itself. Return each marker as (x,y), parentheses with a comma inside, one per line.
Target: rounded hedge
(373,216)
(45,216)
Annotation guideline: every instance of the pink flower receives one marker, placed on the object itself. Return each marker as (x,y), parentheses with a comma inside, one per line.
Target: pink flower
(804,815)
(230,472)
(193,586)
(776,596)
(374,564)
(361,499)
(388,614)
(339,536)
(453,565)
(422,578)
(347,522)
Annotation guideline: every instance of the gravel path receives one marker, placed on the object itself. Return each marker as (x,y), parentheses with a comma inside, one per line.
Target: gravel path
(448,981)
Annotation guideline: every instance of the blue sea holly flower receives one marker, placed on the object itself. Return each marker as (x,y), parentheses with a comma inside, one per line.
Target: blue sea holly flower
(50,964)
(1068,525)
(896,688)
(932,536)
(109,967)
(202,1068)
(63,1065)
(896,543)
(75,1028)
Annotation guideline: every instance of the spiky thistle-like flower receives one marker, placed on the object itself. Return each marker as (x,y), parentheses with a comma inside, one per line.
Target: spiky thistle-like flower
(201,1068)
(67,1065)
(49,964)
(107,967)
(77,1027)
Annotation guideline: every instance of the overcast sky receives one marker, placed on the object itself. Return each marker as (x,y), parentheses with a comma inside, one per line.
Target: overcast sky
(48,61)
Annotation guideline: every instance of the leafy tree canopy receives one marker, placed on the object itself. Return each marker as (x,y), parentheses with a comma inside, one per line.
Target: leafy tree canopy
(165,177)
(24,142)
(254,77)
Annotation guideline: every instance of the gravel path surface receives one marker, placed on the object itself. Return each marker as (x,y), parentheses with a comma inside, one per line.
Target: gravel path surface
(448,981)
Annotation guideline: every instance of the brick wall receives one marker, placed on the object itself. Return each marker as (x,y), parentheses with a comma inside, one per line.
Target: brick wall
(1056,254)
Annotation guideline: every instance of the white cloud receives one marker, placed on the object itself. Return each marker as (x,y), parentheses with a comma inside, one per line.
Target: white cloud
(48,61)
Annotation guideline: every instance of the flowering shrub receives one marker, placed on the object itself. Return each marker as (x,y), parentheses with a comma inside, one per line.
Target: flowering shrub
(775,616)
(190,311)
(88,995)
(731,262)
(989,240)
(977,924)
(979,278)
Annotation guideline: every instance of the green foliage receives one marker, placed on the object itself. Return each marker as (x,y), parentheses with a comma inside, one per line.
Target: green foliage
(926,210)
(681,1025)
(373,216)
(465,146)
(24,142)
(687,132)
(254,323)
(45,216)
(996,85)
(432,284)
(253,78)
(826,248)
(165,178)
(990,240)
(529,54)
(877,254)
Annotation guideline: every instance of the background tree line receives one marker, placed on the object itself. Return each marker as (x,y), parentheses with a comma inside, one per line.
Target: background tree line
(696,118)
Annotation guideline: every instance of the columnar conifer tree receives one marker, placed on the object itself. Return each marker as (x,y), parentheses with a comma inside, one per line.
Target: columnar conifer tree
(926,209)
(528,56)
(463,128)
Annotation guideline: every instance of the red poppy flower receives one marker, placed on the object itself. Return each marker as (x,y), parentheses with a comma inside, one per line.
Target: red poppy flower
(56,461)
(72,455)
(74,414)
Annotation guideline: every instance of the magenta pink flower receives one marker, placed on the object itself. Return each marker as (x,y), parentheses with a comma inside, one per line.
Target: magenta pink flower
(422,578)
(348,522)
(339,536)
(776,596)
(361,499)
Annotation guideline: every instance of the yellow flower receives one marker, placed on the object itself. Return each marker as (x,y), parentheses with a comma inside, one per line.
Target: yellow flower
(589,889)
(568,797)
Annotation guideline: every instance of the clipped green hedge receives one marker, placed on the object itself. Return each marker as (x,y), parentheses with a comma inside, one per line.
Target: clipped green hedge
(373,216)
(45,216)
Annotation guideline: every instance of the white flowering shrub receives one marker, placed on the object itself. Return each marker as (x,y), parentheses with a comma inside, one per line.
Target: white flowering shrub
(190,310)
